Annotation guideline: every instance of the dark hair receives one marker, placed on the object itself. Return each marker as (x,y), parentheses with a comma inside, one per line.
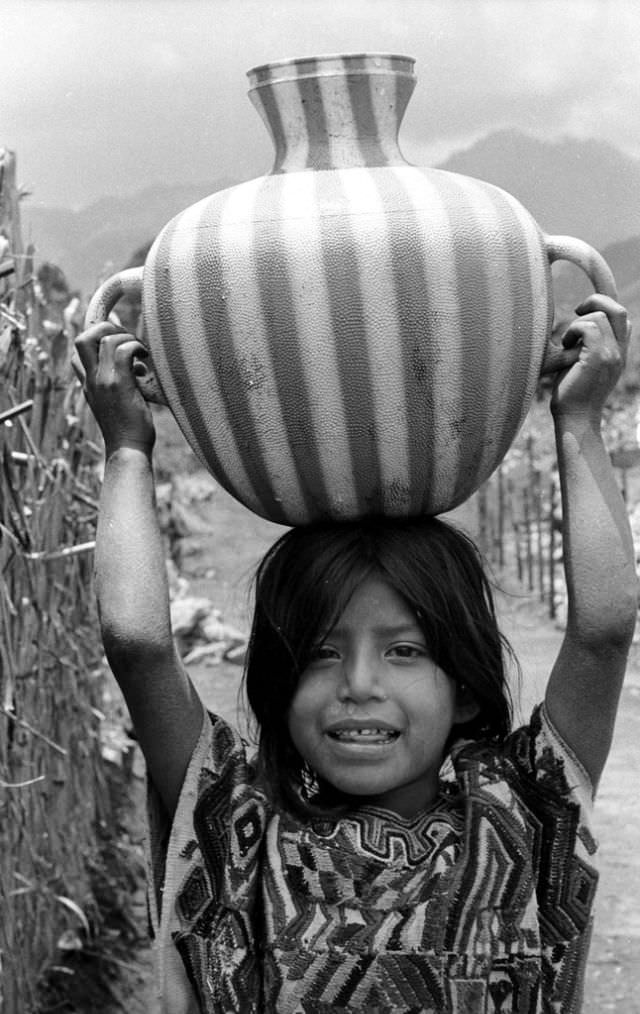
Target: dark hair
(303,585)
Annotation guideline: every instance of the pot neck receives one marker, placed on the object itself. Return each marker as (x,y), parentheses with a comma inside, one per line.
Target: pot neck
(334,112)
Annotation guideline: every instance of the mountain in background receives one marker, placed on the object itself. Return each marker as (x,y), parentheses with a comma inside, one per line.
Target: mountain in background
(586,189)
(92,243)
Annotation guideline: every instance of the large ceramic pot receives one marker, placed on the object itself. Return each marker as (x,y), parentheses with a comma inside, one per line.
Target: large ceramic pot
(350,334)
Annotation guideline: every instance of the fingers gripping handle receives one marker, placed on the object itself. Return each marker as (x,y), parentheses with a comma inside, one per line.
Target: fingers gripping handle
(125,283)
(566,248)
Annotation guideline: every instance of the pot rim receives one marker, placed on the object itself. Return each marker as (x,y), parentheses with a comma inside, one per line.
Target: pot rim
(404,66)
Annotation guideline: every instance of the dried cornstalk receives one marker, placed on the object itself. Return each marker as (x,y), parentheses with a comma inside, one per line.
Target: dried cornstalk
(51,770)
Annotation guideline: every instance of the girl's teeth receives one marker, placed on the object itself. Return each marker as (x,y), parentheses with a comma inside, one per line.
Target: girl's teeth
(364,734)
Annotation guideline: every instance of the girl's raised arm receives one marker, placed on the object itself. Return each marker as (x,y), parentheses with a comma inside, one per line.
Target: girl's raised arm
(599,560)
(131,579)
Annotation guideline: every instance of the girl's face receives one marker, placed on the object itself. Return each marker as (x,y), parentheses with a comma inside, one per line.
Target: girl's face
(372,712)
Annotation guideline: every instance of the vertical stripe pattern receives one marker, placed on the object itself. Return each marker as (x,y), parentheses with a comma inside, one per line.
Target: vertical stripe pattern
(363,339)
(339,111)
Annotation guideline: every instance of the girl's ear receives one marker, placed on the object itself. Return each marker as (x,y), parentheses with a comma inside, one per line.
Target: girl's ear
(466,705)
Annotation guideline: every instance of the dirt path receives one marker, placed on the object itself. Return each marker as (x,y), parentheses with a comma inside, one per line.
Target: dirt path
(613,978)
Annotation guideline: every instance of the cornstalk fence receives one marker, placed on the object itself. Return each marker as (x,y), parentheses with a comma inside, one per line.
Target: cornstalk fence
(53,789)
(519,511)
(519,530)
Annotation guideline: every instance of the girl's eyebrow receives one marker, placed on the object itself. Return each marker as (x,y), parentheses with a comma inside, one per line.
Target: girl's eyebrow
(397,629)
(385,630)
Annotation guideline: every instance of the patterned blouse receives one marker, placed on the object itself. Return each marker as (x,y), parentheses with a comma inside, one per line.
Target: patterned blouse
(480,905)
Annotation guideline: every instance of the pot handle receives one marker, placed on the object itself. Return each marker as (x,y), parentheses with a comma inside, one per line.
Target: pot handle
(567,248)
(125,283)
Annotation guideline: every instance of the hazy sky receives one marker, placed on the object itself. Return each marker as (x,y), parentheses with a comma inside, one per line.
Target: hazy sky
(107,96)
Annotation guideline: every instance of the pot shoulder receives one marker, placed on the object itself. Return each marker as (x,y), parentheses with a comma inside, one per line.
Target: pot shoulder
(431,205)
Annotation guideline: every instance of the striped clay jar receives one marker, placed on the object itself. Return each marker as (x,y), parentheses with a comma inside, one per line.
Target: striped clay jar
(350,334)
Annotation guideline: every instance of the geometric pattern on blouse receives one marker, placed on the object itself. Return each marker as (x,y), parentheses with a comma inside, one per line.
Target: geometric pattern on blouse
(482,904)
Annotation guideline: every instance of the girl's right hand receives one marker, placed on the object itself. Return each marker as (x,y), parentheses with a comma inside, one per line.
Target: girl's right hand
(103,362)
(599,338)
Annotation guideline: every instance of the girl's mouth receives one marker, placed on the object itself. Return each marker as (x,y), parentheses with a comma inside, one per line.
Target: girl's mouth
(364,736)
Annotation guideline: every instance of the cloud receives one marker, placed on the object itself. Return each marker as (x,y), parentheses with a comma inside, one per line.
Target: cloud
(161,57)
(135,91)
(552,68)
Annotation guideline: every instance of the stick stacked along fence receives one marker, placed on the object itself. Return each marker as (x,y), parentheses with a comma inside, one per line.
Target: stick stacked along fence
(519,521)
(52,781)
(519,512)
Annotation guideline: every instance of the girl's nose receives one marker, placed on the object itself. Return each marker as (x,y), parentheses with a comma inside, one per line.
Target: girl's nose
(361,681)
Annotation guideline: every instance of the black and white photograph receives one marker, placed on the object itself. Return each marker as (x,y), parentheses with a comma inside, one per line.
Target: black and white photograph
(319,506)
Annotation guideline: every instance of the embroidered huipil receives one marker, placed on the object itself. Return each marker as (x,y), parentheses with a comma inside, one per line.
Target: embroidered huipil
(482,904)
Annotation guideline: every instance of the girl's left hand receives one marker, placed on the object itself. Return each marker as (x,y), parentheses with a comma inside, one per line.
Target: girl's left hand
(599,338)
(104,364)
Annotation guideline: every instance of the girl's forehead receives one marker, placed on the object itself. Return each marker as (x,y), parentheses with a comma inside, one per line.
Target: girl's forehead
(376,604)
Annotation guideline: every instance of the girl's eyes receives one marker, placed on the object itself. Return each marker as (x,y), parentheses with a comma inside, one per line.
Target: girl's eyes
(406,651)
(325,653)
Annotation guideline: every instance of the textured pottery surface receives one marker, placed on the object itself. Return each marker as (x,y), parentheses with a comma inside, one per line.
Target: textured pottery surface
(350,334)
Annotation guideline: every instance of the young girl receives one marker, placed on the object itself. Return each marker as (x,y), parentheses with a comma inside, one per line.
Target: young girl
(394,847)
